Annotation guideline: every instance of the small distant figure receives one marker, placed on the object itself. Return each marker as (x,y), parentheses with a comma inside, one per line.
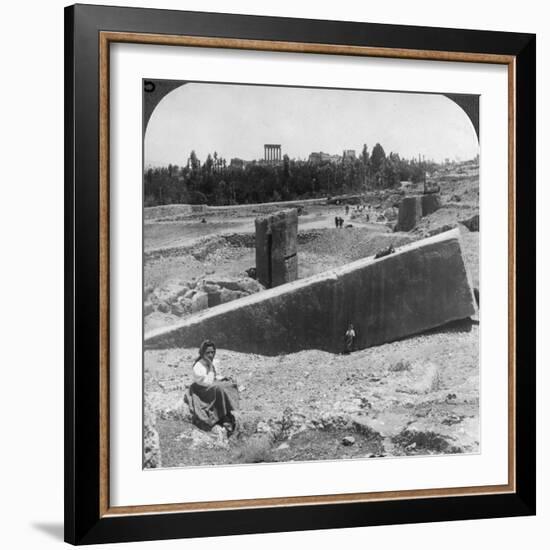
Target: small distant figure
(203,220)
(347,209)
(349,339)
(368,218)
(341,221)
(336,221)
(385,252)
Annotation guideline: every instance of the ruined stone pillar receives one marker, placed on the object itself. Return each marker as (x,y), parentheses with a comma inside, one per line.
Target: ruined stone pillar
(272,153)
(276,248)
(410,212)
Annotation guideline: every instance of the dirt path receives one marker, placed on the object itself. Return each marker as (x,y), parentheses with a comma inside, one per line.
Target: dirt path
(170,234)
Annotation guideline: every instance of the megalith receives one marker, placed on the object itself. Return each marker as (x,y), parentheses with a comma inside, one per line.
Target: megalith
(430,203)
(410,212)
(471,223)
(276,248)
(420,286)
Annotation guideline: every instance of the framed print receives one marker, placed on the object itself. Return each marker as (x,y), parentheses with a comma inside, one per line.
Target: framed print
(299,274)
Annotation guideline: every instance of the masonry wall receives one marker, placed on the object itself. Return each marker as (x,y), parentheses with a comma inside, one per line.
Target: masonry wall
(421,286)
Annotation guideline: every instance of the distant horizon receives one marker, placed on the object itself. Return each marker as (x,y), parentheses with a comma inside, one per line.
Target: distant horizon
(236,120)
(358,153)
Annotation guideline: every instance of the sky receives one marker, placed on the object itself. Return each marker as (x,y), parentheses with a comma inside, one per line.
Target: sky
(235,120)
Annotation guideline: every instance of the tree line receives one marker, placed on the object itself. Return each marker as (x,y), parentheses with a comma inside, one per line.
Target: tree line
(216,182)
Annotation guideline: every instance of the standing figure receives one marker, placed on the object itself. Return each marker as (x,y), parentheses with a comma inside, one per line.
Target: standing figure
(212,398)
(349,339)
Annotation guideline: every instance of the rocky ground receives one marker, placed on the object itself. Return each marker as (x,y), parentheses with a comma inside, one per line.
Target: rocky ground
(416,396)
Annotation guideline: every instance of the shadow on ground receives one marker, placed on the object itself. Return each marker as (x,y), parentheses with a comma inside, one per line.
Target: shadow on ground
(54,530)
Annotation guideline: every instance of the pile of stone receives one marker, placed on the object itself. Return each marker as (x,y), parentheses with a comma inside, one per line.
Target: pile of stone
(185,298)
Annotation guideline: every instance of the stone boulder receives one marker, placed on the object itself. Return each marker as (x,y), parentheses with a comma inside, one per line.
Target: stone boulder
(420,286)
(430,203)
(227,295)
(183,299)
(199,301)
(471,223)
(410,212)
(276,248)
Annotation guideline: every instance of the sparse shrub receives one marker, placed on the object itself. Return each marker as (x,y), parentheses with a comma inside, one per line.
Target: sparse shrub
(284,426)
(367,431)
(400,366)
(435,383)
(421,441)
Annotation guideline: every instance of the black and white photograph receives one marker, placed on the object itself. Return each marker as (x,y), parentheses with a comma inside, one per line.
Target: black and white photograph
(310,274)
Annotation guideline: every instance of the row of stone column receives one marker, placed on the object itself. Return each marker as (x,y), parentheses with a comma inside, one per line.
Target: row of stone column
(272,153)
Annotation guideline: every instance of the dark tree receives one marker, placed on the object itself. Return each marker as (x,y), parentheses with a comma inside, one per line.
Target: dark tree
(377,158)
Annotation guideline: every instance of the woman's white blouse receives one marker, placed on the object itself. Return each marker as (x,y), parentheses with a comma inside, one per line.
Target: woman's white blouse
(203,376)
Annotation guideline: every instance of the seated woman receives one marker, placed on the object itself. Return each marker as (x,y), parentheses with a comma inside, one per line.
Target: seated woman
(211,398)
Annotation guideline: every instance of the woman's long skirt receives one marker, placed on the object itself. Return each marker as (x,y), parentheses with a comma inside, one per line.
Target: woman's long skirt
(211,404)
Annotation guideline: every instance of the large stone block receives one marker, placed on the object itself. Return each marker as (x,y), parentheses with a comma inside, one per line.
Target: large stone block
(276,244)
(199,301)
(430,203)
(285,270)
(263,251)
(419,287)
(410,212)
(471,223)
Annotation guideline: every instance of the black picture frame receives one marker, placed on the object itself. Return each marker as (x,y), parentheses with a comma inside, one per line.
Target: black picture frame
(87,521)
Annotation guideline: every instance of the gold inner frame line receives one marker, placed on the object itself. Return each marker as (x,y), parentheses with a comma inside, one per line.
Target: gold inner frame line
(105,39)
